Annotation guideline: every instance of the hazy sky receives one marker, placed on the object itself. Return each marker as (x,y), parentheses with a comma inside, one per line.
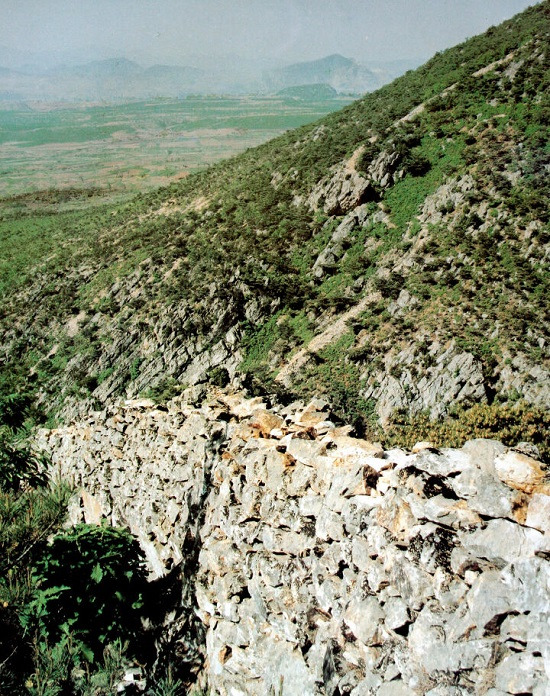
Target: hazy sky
(286,30)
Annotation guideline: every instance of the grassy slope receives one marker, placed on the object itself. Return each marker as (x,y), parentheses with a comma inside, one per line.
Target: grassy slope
(235,235)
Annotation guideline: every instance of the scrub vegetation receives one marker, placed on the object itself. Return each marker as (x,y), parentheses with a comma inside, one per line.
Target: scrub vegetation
(237,272)
(109,300)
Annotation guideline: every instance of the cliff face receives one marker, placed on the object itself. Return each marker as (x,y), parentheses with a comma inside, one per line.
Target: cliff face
(311,562)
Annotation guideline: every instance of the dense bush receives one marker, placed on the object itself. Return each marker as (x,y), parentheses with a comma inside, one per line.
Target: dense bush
(510,424)
(90,581)
(69,608)
(28,516)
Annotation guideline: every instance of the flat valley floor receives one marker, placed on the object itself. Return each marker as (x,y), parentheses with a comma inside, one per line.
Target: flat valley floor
(137,146)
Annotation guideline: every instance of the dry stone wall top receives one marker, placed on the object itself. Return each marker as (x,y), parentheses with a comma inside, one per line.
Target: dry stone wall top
(326,565)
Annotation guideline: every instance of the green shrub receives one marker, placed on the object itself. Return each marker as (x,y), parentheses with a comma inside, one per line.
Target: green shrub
(14,407)
(167,388)
(27,517)
(168,685)
(90,581)
(18,465)
(57,670)
(511,424)
(61,603)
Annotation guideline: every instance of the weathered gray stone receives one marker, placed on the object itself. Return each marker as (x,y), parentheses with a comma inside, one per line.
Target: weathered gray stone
(364,618)
(410,581)
(527,630)
(444,690)
(519,673)
(484,493)
(397,613)
(351,476)
(519,471)
(395,515)
(538,513)
(377,576)
(452,462)
(287,542)
(328,593)
(307,578)
(488,601)
(452,513)
(529,583)
(482,453)
(451,658)
(329,525)
(367,686)
(395,688)
(305,451)
(300,480)
(310,505)
(360,551)
(355,513)
(503,541)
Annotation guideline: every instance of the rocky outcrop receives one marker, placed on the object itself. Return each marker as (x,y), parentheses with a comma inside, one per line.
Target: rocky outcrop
(345,188)
(449,376)
(342,192)
(446,198)
(324,564)
(333,252)
(521,376)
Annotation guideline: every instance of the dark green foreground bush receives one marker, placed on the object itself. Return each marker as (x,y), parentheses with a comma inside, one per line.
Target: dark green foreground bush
(70,607)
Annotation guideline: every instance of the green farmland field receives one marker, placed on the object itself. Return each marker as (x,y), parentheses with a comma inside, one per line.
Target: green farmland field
(119,149)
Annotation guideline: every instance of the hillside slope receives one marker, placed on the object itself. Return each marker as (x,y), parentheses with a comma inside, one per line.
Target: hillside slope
(391,256)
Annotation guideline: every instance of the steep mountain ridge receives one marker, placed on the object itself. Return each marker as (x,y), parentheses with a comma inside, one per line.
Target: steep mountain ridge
(391,256)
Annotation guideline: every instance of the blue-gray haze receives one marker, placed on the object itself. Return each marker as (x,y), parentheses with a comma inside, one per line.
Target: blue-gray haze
(266,32)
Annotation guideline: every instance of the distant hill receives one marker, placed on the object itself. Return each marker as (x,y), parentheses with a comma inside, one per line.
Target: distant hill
(173,72)
(119,79)
(113,79)
(315,91)
(342,74)
(111,68)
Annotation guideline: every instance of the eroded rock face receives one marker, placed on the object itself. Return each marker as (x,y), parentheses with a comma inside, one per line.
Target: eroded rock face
(342,192)
(324,564)
(450,376)
(345,188)
(335,249)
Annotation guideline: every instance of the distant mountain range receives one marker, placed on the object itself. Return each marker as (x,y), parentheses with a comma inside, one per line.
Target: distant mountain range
(342,74)
(120,79)
(112,79)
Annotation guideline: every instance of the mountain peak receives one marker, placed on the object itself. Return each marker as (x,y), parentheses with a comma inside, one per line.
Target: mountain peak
(342,74)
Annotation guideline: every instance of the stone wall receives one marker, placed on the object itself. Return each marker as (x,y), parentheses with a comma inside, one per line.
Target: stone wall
(323,564)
